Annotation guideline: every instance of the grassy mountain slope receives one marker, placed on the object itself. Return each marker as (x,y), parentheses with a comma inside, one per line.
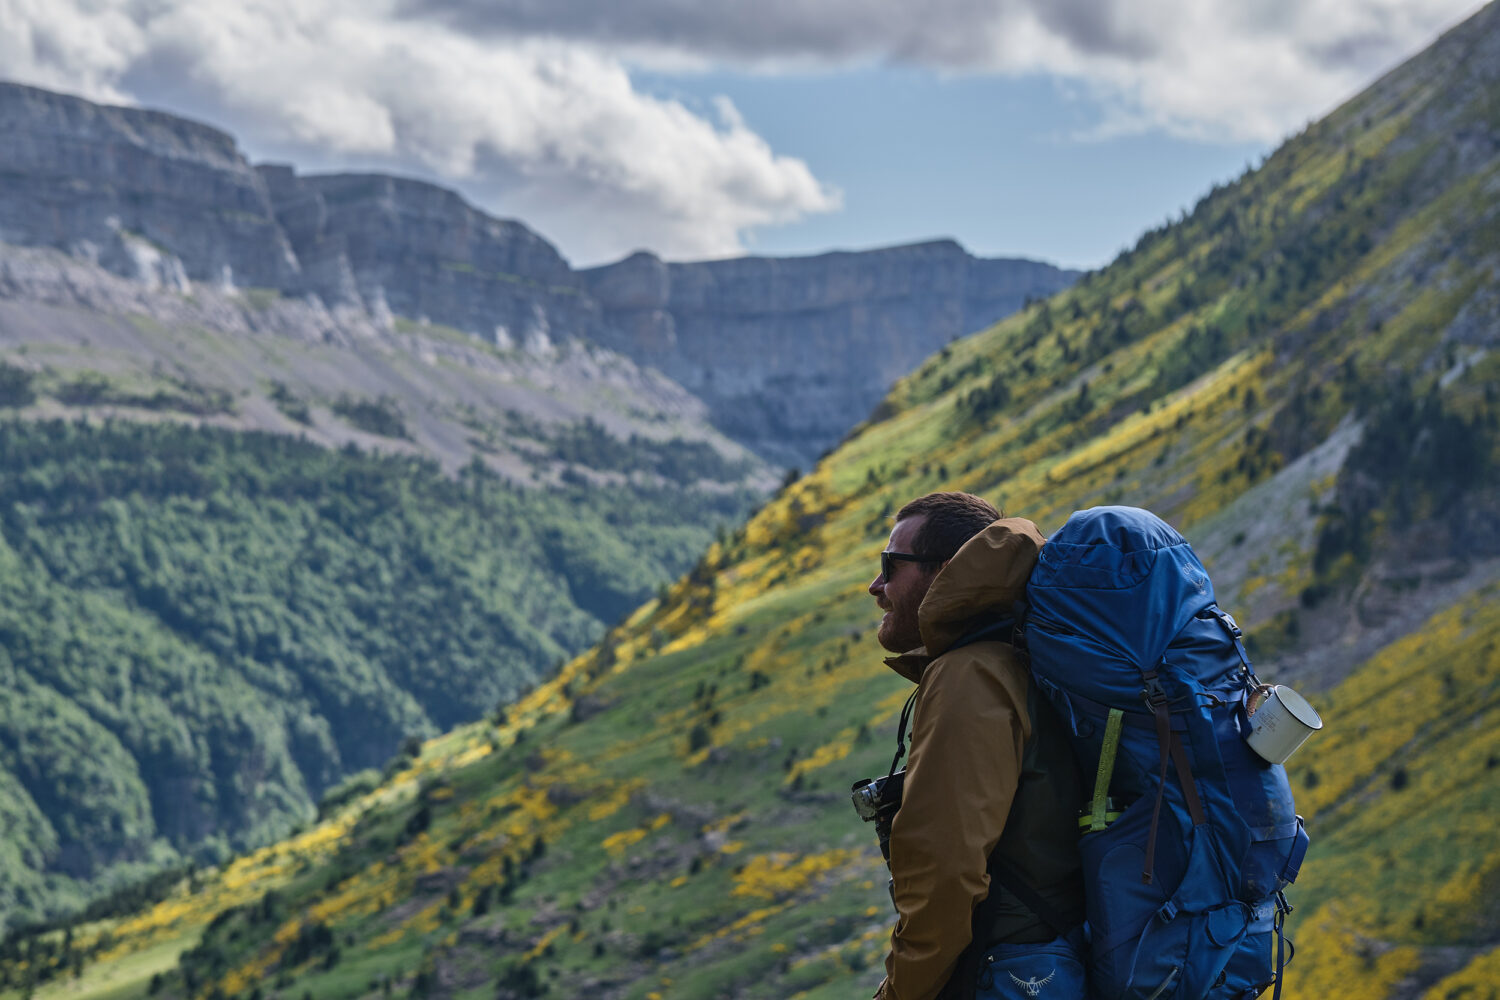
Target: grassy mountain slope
(1300,374)
(203,631)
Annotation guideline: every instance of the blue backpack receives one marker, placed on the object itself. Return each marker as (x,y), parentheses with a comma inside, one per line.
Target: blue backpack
(1190,837)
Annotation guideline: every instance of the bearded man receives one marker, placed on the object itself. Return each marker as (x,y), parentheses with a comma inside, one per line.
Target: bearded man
(984,848)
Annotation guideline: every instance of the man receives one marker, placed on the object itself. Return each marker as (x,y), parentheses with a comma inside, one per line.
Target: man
(989,770)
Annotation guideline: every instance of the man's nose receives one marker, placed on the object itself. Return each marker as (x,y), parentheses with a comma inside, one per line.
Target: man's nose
(877,585)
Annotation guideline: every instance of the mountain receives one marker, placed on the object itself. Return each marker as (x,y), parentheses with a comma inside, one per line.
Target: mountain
(78,341)
(167,202)
(789,353)
(265,633)
(256,542)
(146,269)
(157,197)
(1300,374)
(254,539)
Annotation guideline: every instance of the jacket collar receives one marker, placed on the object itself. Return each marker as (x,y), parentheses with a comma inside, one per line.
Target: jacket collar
(910,664)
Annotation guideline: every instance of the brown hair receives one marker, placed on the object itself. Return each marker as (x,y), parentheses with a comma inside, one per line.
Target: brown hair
(952,519)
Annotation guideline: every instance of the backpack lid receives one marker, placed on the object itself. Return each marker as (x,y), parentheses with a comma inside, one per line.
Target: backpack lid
(1122,576)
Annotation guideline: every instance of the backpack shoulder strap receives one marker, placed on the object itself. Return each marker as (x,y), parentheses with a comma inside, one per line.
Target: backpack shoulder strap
(1003,630)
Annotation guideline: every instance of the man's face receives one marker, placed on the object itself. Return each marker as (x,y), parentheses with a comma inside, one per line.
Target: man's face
(901,594)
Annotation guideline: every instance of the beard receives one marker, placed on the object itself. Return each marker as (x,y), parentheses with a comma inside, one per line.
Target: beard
(899,631)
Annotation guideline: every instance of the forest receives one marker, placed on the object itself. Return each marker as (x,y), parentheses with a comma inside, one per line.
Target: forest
(202,631)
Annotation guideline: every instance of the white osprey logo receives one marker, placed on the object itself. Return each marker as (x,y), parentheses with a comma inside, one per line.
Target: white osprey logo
(1032,986)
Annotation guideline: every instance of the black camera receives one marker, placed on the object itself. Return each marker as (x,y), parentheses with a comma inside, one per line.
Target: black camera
(876,801)
(877,798)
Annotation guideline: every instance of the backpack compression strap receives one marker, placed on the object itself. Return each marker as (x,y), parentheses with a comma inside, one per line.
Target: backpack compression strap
(1171,747)
(1100,814)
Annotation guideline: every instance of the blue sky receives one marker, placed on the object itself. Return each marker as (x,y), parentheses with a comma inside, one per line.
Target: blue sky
(1008,167)
(1058,129)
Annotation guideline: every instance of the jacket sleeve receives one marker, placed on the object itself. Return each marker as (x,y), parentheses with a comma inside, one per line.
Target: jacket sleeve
(969,728)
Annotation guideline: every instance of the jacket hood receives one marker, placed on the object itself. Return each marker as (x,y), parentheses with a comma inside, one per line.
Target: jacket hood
(980,584)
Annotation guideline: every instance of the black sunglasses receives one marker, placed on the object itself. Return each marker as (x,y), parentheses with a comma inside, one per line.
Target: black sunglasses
(888,560)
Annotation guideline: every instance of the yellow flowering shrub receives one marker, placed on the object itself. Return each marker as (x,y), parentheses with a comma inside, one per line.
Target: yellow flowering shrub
(1351,965)
(739,926)
(1479,980)
(767,876)
(545,940)
(824,755)
(618,843)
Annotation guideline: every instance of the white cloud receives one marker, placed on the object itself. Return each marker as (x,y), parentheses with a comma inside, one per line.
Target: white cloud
(67,46)
(530,108)
(550,132)
(1225,72)
(1205,68)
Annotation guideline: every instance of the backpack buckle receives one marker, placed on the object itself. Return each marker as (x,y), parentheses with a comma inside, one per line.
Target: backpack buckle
(1230,625)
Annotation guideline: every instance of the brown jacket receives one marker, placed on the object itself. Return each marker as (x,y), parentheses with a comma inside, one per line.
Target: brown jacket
(974,755)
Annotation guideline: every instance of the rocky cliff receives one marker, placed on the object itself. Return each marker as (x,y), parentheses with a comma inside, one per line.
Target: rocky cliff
(145,194)
(789,353)
(422,252)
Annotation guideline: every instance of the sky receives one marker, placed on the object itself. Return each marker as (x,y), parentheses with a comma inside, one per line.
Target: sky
(1053,129)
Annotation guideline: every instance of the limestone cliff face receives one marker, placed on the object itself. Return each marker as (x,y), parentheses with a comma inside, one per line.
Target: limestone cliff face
(790,353)
(422,252)
(146,194)
(169,201)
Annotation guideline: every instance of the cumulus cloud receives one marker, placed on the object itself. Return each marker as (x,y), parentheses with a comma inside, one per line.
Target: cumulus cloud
(1204,68)
(549,131)
(529,107)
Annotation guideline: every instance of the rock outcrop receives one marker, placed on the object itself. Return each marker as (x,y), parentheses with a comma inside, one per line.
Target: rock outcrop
(789,353)
(145,194)
(422,252)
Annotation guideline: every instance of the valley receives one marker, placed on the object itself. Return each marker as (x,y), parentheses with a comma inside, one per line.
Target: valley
(1300,374)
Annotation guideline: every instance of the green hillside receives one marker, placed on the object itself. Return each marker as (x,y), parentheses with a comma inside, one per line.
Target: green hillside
(1300,374)
(202,631)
